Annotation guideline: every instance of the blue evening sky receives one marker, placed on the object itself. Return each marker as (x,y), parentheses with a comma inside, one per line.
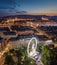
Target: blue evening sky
(12,7)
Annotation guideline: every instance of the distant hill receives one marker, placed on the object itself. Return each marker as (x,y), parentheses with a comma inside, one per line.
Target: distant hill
(38,17)
(51,17)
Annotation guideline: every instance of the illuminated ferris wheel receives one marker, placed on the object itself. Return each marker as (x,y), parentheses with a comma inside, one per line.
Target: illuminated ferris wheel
(31,49)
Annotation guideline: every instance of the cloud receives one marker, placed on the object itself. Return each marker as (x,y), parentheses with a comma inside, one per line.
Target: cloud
(10,7)
(7,12)
(8,4)
(21,12)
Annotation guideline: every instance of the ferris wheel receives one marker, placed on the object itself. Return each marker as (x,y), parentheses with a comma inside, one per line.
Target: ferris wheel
(31,49)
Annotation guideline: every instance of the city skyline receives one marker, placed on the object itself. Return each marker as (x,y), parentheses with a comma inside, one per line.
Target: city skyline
(33,7)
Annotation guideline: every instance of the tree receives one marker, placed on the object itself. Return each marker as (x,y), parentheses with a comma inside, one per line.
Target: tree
(47,55)
(21,55)
(8,59)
